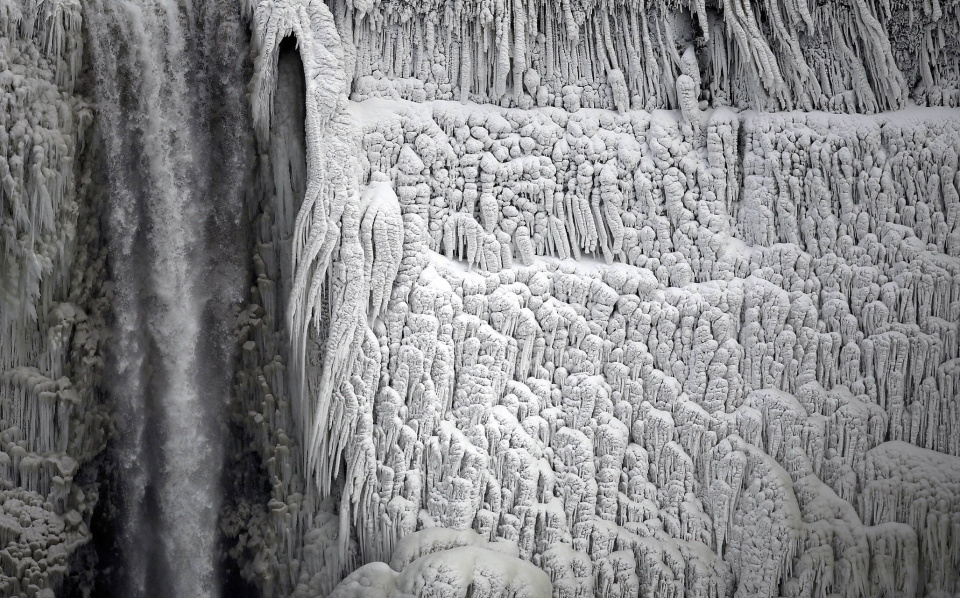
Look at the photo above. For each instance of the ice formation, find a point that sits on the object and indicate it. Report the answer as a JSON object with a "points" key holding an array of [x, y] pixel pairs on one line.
{"points": [[654, 350], [51, 299], [447, 562], [869, 56], [560, 299]]}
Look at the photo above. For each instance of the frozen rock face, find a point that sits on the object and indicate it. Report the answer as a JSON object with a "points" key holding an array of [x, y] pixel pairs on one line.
{"points": [[685, 352], [563, 299], [861, 56], [51, 299]]}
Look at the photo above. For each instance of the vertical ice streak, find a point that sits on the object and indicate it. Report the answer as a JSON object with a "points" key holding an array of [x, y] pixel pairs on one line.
{"points": [[174, 167], [288, 154]]}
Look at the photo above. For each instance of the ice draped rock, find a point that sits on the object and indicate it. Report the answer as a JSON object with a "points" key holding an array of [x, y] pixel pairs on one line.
{"points": [[443, 562], [330, 185], [757, 325], [566, 299], [870, 57], [51, 299]]}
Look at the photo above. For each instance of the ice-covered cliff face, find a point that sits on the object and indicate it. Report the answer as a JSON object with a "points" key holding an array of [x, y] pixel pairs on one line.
{"points": [[687, 352], [558, 299], [858, 56], [51, 298]]}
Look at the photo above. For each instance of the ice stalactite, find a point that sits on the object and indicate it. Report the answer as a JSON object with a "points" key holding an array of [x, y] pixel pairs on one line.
{"points": [[52, 421], [382, 236], [756, 54]]}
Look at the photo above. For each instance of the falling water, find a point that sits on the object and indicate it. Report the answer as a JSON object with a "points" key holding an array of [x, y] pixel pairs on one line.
{"points": [[171, 114]]}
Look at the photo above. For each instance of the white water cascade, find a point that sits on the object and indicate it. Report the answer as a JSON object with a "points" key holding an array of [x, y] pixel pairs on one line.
{"points": [[170, 124]]}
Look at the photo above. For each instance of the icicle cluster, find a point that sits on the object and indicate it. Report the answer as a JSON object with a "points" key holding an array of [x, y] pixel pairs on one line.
{"points": [[41, 132], [51, 304], [327, 221], [864, 57], [327, 255]]}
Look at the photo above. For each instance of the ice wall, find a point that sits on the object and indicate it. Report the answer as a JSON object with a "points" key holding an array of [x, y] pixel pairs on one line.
{"points": [[747, 381], [51, 299], [687, 352], [572, 299], [861, 56]]}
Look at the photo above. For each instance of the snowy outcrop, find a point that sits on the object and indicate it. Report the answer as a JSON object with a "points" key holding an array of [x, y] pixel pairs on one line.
{"points": [[446, 562]]}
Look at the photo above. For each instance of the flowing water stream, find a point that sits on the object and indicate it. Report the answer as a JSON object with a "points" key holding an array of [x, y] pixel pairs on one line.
{"points": [[172, 114]]}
